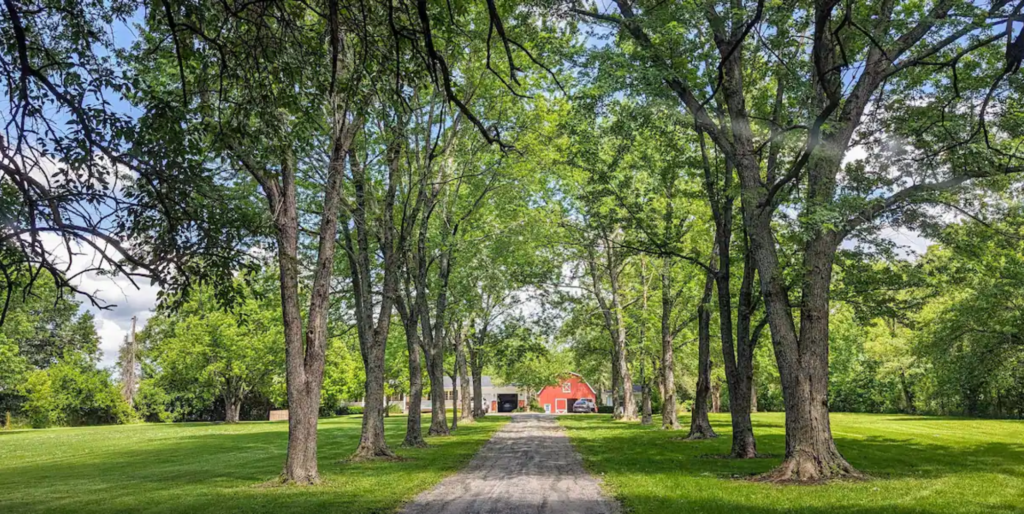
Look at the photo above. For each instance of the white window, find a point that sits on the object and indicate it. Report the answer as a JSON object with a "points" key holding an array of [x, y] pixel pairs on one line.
{"points": [[567, 387]]}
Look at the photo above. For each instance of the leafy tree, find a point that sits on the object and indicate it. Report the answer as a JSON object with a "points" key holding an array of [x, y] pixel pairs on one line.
{"points": [[786, 115], [71, 393], [206, 352]]}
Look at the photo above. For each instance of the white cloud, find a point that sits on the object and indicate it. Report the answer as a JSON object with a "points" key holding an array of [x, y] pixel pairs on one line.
{"points": [[122, 299]]}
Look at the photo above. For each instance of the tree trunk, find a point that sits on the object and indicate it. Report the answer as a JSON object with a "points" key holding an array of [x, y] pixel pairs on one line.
{"points": [[232, 408], [304, 354], [669, 419], [372, 443], [413, 426], [811, 453], [373, 335], [478, 391], [616, 386], [737, 359], [455, 399], [646, 401], [464, 382], [908, 393], [716, 397], [438, 416], [303, 398], [628, 401], [753, 396], [700, 425]]}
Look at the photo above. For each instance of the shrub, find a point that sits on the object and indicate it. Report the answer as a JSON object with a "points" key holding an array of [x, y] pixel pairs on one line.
{"points": [[605, 409], [348, 410], [70, 393], [151, 403]]}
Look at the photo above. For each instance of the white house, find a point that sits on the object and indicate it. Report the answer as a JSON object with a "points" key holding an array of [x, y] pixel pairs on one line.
{"points": [[495, 398]]}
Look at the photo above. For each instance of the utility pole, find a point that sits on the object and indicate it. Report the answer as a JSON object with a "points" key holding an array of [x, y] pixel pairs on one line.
{"points": [[129, 365]]}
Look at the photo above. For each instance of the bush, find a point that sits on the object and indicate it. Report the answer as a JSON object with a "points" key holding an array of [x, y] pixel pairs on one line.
{"points": [[151, 403], [535, 406], [605, 409], [69, 394], [347, 410]]}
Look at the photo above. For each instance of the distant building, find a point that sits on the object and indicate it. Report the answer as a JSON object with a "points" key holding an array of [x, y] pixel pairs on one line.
{"points": [[559, 399], [495, 398], [555, 399]]}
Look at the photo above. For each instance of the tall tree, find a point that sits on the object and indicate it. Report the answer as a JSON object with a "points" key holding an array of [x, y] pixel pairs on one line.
{"points": [[824, 111]]}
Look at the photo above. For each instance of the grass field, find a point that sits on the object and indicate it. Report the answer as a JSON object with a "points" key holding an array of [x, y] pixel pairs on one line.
{"points": [[917, 465], [201, 467]]}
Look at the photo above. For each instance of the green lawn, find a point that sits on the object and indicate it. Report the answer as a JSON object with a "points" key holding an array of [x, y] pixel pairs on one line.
{"points": [[917, 464], [201, 467]]}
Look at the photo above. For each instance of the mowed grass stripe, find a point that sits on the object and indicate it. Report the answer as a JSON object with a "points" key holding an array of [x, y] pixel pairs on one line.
{"points": [[917, 465], [214, 468]]}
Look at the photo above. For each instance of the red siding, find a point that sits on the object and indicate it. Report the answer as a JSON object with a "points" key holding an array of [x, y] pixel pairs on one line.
{"points": [[558, 399]]}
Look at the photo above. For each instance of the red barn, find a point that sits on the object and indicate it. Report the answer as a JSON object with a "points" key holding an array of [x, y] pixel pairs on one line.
{"points": [[558, 399]]}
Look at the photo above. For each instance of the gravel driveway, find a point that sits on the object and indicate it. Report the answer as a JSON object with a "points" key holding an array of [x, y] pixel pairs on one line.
{"points": [[528, 467]]}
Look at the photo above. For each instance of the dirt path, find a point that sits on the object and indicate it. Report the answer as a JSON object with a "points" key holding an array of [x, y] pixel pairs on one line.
{"points": [[528, 467]]}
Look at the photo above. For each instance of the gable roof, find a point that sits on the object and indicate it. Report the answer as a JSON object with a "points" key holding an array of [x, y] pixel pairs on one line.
{"points": [[592, 390]]}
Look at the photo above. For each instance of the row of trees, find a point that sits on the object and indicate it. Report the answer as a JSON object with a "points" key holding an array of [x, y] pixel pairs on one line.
{"points": [[432, 159]]}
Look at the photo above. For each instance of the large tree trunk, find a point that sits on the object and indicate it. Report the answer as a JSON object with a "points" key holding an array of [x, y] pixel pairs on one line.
{"points": [[303, 399], [413, 426], [304, 355], [700, 425], [811, 453], [232, 407]]}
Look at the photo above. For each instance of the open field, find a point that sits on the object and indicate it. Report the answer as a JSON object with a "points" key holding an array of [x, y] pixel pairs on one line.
{"points": [[917, 465], [201, 467]]}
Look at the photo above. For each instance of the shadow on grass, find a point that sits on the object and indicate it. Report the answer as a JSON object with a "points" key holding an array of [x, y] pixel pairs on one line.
{"points": [[662, 451], [220, 471]]}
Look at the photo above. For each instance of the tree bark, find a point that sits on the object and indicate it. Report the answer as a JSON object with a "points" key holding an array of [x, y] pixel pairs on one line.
{"points": [[476, 368], [738, 358], [669, 419], [455, 399], [611, 309], [438, 414], [413, 426], [753, 396], [811, 454], [700, 425], [464, 382], [232, 408], [304, 355], [646, 402], [373, 334]]}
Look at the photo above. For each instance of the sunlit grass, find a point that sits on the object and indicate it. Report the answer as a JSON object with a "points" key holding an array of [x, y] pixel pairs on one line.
{"points": [[215, 468], [917, 464]]}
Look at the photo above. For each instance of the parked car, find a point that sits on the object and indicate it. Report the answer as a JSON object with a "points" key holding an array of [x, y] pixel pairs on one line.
{"points": [[584, 405]]}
